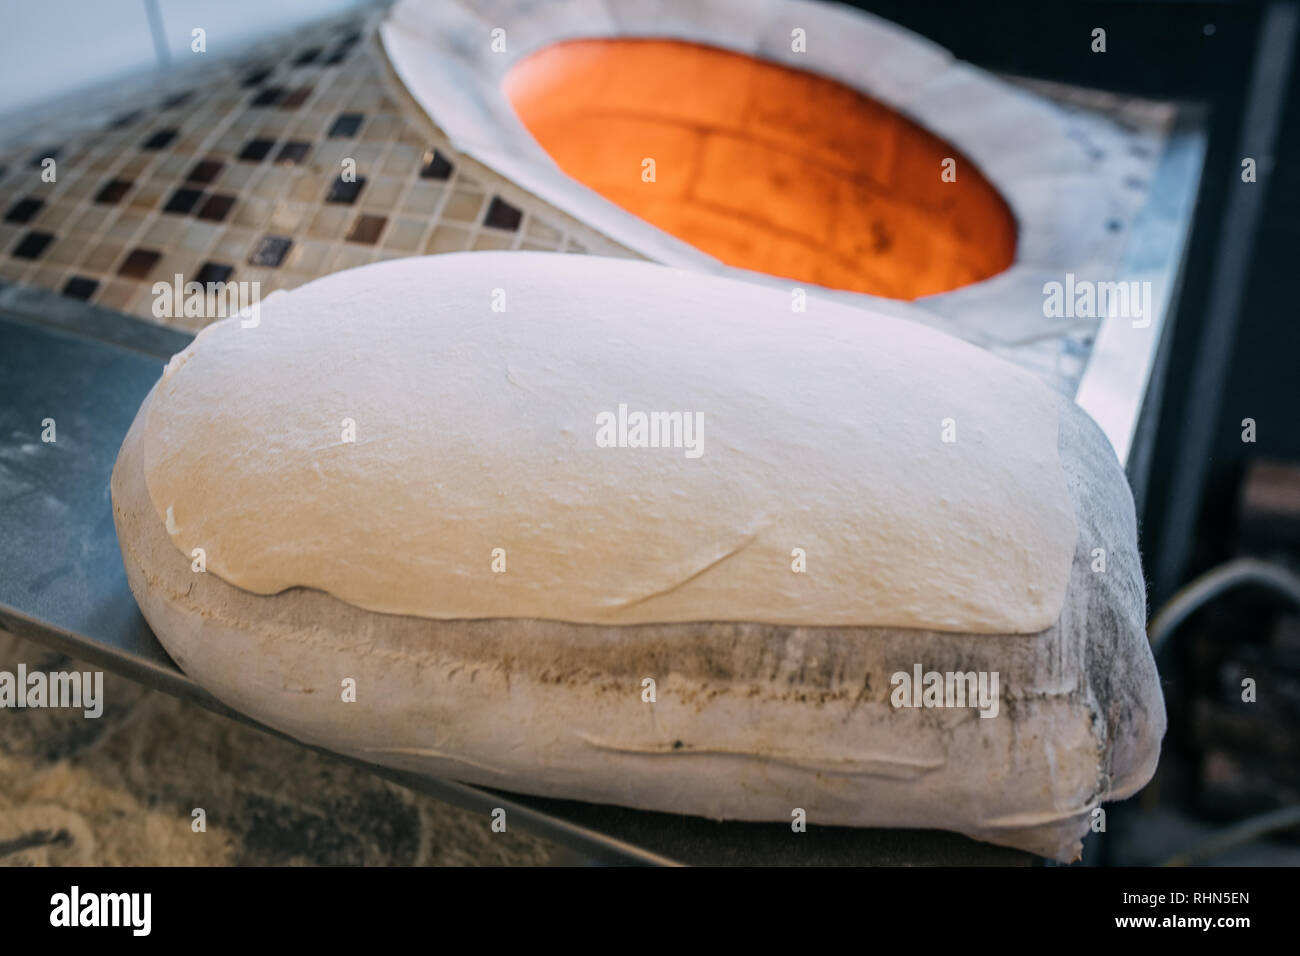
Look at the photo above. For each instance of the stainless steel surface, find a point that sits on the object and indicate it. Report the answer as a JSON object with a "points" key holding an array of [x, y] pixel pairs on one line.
{"points": [[62, 584], [1115, 382]]}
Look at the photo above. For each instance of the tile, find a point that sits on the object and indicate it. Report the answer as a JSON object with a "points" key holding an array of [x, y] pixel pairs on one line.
{"points": [[183, 200], [436, 166], [463, 206], [296, 98], [269, 96], [205, 171], [217, 207], [234, 244], [138, 263], [502, 215], [162, 230], [493, 240], [401, 160], [366, 229], [80, 287], [195, 237], [32, 245], [286, 217], [112, 191], [213, 272], [125, 226], [270, 251], [307, 56], [159, 140], [292, 153], [24, 210], [448, 239], [346, 125], [329, 223], [125, 119], [540, 229], [116, 294], [309, 257], [68, 251], [404, 235], [423, 198], [256, 150], [381, 194], [257, 77], [103, 256], [342, 191], [146, 196]]}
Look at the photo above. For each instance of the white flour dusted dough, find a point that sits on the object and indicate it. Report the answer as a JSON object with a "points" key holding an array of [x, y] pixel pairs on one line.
{"points": [[476, 430]]}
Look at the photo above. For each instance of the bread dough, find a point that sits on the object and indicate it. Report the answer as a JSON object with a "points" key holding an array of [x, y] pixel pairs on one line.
{"points": [[476, 430]]}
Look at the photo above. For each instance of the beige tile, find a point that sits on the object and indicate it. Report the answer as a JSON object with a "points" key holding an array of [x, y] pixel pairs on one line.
{"points": [[536, 228], [448, 239], [104, 256], [161, 230], [126, 226], [464, 206], [330, 223], [422, 198], [405, 234], [197, 237], [251, 213], [494, 239], [380, 194], [233, 246], [308, 257], [349, 256], [115, 294], [287, 217], [68, 250]]}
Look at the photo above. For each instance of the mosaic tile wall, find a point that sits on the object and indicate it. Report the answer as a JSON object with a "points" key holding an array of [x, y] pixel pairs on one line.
{"points": [[234, 174]]}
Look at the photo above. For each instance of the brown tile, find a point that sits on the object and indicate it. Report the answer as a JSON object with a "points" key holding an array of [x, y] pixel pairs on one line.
{"points": [[205, 171], [217, 207], [138, 263], [295, 98], [112, 191], [367, 229], [292, 153]]}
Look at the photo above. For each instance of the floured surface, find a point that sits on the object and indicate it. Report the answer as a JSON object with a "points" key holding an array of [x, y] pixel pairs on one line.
{"points": [[476, 430]]}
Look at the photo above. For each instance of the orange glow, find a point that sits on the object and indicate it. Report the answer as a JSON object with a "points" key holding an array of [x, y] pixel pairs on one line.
{"points": [[763, 166]]}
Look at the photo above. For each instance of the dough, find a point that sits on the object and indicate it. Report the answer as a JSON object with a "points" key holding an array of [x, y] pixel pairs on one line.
{"points": [[748, 721], [478, 446]]}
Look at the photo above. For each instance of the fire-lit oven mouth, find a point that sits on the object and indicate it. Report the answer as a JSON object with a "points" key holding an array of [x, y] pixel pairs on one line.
{"points": [[763, 166]]}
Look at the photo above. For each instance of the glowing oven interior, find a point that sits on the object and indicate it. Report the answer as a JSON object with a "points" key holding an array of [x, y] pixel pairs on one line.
{"points": [[763, 166]]}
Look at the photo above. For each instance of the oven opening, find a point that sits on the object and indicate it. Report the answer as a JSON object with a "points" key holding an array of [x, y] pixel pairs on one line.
{"points": [[765, 167]]}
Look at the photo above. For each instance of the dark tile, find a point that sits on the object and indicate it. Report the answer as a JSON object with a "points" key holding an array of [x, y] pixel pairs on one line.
{"points": [[270, 251], [24, 209], [256, 149], [113, 191], [436, 166], [367, 229], [257, 77], [346, 125], [126, 119], [213, 272], [502, 215], [307, 57], [80, 287], [183, 200], [159, 140], [33, 245], [52, 153], [180, 99], [293, 153], [296, 98], [217, 207], [269, 96], [138, 263], [335, 58], [205, 171], [346, 192], [349, 38]]}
